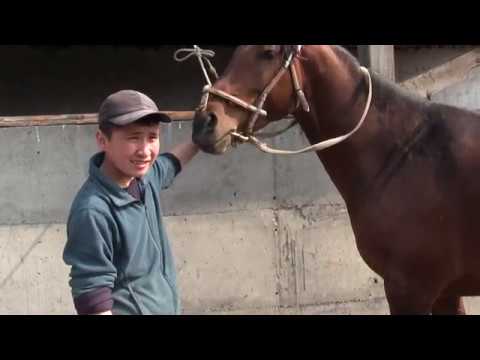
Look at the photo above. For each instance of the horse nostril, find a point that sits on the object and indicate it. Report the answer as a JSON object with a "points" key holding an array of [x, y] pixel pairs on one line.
{"points": [[204, 124], [211, 121]]}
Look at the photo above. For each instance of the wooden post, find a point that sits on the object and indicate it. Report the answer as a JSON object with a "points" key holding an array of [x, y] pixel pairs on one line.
{"points": [[379, 58]]}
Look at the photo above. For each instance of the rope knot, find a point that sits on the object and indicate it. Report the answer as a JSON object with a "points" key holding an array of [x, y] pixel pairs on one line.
{"points": [[193, 51], [202, 56]]}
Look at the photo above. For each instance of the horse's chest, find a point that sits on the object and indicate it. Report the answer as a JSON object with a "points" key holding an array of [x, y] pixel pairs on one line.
{"points": [[374, 240]]}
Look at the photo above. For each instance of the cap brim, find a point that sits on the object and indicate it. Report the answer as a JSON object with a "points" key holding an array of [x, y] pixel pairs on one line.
{"points": [[135, 116]]}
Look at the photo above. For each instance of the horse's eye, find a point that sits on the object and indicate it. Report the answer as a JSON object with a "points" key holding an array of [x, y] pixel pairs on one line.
{"points": [[267, 55]]}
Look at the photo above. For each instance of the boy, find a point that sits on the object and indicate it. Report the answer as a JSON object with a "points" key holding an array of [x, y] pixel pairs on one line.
{"points": [[120, 257]]}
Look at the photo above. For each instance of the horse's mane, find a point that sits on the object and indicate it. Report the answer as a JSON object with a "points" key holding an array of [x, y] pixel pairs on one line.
{"points": [[345, 55], [379, 81]]}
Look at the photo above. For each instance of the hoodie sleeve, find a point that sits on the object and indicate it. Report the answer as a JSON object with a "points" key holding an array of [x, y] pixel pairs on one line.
{"points": [[166, 168], [89, 252]]}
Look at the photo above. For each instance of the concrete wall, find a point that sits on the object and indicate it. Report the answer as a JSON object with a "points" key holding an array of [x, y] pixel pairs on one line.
{"points": [[412, 61], [465, 94], [269, 236], [252, 233]]}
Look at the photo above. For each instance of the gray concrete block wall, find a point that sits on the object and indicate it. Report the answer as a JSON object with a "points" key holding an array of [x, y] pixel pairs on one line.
{"points": [[43, 167], [244, 242], [33, 279], [412, 61], [465, 94]]}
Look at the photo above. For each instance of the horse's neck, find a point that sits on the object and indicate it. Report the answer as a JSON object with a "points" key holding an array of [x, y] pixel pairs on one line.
{"points": [[338, 99], [336, 89]]}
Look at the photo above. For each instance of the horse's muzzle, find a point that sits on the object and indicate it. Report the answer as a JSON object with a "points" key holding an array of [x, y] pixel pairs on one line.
{"points": [[204, 134], [204, 124]]}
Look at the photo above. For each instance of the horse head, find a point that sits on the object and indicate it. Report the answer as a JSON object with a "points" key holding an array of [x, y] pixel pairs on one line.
{"points": [[260, 85]]}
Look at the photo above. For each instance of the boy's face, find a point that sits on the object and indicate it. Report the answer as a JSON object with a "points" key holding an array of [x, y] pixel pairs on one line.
{"points": [[130, 152]]}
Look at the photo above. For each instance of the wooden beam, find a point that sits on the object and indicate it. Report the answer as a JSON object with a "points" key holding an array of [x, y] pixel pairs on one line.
{"points": [[75, 119], [379, 58], [444, 76]]}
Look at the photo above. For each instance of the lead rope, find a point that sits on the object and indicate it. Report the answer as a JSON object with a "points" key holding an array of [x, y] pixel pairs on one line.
{"points": [[202, 56], [322, 145]]}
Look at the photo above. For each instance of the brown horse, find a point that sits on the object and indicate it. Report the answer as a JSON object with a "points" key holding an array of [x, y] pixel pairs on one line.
{"points": [[410, 176]]}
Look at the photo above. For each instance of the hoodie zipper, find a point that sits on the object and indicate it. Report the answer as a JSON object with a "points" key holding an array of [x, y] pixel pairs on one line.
{"points": [[159, 247]]}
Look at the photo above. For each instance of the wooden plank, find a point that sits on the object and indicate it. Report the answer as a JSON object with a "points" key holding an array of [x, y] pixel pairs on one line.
{"points": [[74, 119], [379, 58], [444, 76]]}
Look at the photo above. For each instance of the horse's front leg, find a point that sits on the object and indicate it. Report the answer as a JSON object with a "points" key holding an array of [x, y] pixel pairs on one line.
{"points": [[408, 298], [449, 305]]}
